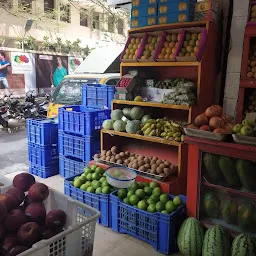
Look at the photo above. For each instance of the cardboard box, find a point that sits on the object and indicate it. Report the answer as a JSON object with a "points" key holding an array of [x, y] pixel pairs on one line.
{"points": [[205, 15], [175, 7], [136, 3], [206, 5], [126, 83], [174, 17], [143, 21], [144, 11], [123, 96]]}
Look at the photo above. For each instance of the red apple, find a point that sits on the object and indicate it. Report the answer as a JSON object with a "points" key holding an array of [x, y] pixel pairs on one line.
{"points": [[29, 233], [2, 231], [201, 120], [3, 211], [14, 220], [55, 219], [18, 193], [36, 212], [219, 130], [192, 126], [9, 242], [9, 201], [38, 192], [47, 233], [23, 181]]}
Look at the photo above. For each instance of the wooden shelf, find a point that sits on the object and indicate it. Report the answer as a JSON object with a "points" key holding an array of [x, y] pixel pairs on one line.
{"points": [[169, 26], [248, 83], [230, 190], [141, 137], [161, 64], [151, 104]]}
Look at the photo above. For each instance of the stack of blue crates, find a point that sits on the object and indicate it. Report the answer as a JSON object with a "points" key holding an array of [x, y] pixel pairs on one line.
{"points": [[43, 147], [79, 137]]}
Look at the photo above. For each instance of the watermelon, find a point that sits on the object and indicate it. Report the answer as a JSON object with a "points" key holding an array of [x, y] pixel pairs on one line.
{"points": [[244, 245], [136, 113], [216, 242], [132, 126], [119, 126], [116, 114], [108, 124], [190, 237]]}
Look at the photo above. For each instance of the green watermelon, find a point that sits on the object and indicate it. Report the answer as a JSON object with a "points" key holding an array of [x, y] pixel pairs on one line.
{"points": [[246, 219], [247, 174], [211, 205], [136, 113], [117, 114], [229, 211], [228, 167], [244, 245], [190, 237], [132, 126], [216, 242], [119, 126], [211, 166], [108, 124], [127, 112]]}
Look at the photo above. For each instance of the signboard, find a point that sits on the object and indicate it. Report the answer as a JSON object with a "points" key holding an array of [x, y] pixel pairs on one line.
{"points": [[22, 63], [73, 63]]}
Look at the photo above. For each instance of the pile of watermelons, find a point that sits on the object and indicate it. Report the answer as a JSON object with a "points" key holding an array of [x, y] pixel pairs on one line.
{"points": [[193, 241]]}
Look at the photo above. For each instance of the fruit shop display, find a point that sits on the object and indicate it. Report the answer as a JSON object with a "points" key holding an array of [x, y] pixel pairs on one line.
{"points": [[163, 128], [149, 197], [135, 121], [213, 120], [190, 45], [23, 217], [93, 180], [147, 164], [170, 46], [150, 47], [132, 49], [246, 128], [250, 102], [229, 172], [234, 211], [216, 241], [253, 13]]}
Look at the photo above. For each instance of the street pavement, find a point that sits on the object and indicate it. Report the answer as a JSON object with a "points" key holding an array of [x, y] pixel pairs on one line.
{"points": [[13, 151]]}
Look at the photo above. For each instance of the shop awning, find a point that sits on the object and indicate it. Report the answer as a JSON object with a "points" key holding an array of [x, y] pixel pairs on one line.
{"points": [[124, 4]]}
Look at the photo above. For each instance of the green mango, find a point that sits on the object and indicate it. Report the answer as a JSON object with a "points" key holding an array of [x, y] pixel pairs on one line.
{"points": [[229, 211], [246, 217], [211, 205]]}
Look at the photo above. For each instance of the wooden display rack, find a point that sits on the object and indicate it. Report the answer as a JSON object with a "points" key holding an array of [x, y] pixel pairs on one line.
{"points": [[198, 146], [245, 83], [202, 73]]}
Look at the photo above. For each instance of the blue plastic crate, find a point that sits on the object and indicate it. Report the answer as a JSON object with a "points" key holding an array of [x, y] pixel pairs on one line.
{"points": [[97, 95], [82, 148], [44, 172], [143, 2], [158, 229], [69, 167], [186, 6], [81, 120], [42, 155], [143, 11], [175, 17], [97, 201], [42, 132]]}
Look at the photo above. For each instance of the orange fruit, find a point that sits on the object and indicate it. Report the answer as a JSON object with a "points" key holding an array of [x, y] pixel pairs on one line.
{"points": [[171, 44], [163, 50], [166, 44], [166, 56]]}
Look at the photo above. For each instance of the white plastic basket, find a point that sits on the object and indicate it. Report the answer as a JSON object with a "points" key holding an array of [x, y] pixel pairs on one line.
{"points": [[78, 237], [7, 184]]}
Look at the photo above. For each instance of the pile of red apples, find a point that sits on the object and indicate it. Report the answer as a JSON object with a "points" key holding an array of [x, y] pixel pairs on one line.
{"points": [[23, 217], [213, 120]]}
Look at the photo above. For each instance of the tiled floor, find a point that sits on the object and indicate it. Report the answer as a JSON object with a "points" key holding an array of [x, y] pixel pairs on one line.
{"points": [[107, 242]]}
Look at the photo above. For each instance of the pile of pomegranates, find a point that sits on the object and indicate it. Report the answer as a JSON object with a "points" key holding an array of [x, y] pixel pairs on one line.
{"points": [[213, 120]]}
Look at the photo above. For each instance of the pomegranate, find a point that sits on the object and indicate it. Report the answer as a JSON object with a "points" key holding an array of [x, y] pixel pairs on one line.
{"points": [[227, 129], [213, 111], [219, 130], [201, 120], [216, 122], [205, 128]]}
